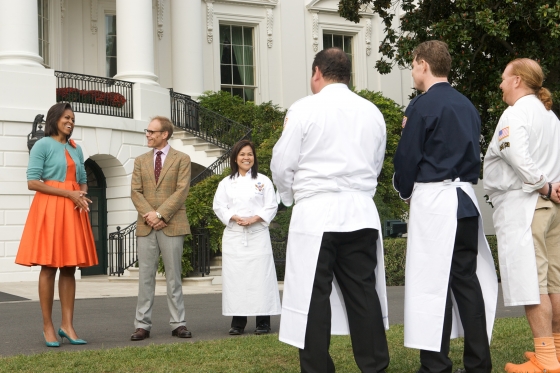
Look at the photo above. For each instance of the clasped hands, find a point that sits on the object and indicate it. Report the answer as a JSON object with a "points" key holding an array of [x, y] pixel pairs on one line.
{"points": [[245, 221], [555, 194], [80, 200], [153, 221]]}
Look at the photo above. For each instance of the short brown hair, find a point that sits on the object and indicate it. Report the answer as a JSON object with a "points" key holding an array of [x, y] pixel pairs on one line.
{"points": [[235, 150], [53, 115], [532, 76], [166, 125], [436, 54]]}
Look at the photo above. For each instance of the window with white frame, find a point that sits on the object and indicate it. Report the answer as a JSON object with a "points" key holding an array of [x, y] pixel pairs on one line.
{"points": [[343, 42], [43, 18], [110, 45], [237, 61]]}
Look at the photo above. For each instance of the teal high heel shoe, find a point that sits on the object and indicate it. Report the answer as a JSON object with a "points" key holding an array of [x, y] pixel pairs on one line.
{"points": [[63, 335], [51, 344]]}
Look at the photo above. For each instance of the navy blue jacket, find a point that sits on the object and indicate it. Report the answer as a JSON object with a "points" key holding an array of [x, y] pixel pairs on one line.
{"points": [[440, 141]]}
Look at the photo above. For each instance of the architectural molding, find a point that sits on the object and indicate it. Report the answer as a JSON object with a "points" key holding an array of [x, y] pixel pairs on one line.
{"points": [[269, 3], [368, 36], [209, 21], [315, 31], [269, 26], [62, 10], [93, 16], [318, 6], [160, 5]]}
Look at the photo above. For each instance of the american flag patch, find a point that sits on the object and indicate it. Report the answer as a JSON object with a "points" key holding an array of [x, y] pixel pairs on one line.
{"points": [[504, 132]]}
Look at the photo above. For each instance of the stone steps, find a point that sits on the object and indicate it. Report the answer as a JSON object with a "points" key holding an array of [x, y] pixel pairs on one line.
{"points": [[132, 276], [215, 277], [197, 143]]}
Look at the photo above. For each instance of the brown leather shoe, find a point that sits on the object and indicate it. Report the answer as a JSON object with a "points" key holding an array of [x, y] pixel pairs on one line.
{"points": [[181, 332], [140, 334]]}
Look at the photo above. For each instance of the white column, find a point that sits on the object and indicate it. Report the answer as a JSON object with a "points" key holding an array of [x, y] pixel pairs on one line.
{"points": [[135, 41], [19, 33], [186, 46]]}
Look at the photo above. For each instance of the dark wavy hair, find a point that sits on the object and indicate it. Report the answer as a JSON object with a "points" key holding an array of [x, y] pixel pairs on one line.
{"points": [[334, 65], [53, 115], [233, 158]]}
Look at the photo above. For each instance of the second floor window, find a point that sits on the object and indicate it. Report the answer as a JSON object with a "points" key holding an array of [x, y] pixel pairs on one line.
{"points": [[43, 13], [110, 45], [237, 63], [343, 42]]}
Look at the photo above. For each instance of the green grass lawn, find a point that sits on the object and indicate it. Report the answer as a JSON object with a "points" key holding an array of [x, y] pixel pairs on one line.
{"points": [[257, 354]]}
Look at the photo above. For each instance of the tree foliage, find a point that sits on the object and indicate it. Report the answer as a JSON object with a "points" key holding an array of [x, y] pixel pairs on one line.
{"points": [[482, 35]]}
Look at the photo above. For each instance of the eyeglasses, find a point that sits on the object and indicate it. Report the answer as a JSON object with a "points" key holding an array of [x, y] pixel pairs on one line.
{"points": [[150, 132]]}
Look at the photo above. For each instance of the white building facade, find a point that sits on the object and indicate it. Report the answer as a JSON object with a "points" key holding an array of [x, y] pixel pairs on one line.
{"points": [[261, 50]]}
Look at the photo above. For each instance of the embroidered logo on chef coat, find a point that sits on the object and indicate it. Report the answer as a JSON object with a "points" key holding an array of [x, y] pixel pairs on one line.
{"points": [[259, 186], [285, 121], [504, 145], [404, 121], [504, 132]]}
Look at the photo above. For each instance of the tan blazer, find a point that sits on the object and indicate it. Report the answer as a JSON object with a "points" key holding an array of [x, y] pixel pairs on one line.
{"points": [[167, 196]]}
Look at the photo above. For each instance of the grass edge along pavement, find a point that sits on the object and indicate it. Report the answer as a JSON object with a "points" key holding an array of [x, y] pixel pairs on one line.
{"points": [[511, 338]]}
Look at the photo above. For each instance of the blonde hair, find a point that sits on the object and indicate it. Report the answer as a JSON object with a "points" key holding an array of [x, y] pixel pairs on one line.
{"points": [[166, 125], [532, 75]]}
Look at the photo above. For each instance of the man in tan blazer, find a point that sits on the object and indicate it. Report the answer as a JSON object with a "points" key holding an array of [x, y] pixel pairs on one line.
{"points": [[160, 184]]}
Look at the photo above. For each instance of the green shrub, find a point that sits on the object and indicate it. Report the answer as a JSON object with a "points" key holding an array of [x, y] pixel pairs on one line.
{"points": [[395, 259], [389, 205], [264, 119]]}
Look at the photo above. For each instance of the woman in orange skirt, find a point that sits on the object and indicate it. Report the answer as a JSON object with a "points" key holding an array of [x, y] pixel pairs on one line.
{"points": [[57, 233]]}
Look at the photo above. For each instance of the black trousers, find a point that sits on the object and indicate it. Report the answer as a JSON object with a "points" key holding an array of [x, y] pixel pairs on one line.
{"points": [[241, 321], [464, 284], [351, 256]]}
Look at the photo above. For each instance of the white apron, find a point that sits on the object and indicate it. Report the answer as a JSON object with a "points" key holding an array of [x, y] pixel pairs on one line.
{"points": [[513, 215], [431, 238], [304, 242], [249, 285]]}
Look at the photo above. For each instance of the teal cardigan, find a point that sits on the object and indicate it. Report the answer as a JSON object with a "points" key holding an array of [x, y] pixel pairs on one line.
{"points": [[47, 161]]}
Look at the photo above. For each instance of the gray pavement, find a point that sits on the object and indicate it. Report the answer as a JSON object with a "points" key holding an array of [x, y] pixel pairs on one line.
{"points": [[104, 314]]}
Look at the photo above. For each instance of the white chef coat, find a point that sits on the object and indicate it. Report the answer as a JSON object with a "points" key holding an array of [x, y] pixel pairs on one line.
{"points": [[328, 160], [245, 197], [523, 155], [249, 283]]}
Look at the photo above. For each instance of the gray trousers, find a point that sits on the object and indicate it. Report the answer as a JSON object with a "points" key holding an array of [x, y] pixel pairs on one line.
{"points": [[149, 248]]}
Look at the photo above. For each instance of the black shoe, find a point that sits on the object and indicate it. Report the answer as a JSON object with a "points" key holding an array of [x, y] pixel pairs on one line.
{"points": [[236, 331], [181, 332], [262, 329]]}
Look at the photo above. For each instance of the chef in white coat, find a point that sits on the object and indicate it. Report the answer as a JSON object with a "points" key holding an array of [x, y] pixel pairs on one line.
{"points": [[246, 204], [328, 160], [449, 267], [521, 163]]}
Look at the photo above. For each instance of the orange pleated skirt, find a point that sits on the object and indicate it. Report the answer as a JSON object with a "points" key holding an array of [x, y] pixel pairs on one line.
{"points": [[56, 234]]}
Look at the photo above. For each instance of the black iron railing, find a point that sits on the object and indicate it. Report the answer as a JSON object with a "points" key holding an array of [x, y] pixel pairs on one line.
{"points": [[216, 168], [122, 249], [206, 124], [279, 254], [200, 255], [94, 94]]}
